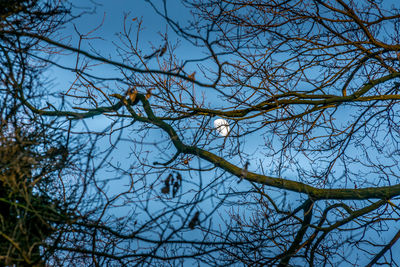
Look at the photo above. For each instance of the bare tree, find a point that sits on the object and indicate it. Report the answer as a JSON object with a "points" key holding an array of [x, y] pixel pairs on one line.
{"points": [[309, 89]]}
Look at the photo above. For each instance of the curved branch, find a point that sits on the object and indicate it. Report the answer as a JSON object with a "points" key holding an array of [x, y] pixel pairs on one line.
{"points": [[308, 208], [383, 192]]}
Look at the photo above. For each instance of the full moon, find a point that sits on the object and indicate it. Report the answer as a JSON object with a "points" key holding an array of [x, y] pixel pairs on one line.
{"points": [[221, 126]]}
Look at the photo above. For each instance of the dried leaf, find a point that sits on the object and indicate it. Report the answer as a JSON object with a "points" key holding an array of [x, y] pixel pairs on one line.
{"points": [[244, 172], [170, 179], [175, 188], [148, 93], [194, 221], [179, 177], [191, 76], [132, 92], [163, 49], [165, 190]]}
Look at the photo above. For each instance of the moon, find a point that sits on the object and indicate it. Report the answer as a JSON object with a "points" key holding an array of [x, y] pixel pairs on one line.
{"points": [[222, 127]]}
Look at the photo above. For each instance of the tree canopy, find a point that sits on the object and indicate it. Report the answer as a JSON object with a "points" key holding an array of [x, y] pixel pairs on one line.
{"points": [[127, 163]]}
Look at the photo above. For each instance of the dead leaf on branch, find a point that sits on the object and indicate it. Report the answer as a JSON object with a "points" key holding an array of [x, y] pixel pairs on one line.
{"points": [[195, 220]]}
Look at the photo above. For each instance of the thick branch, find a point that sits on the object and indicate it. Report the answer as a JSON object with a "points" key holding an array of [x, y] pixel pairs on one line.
{"points": [[383, 251], [308, 207], [384, 192]]}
